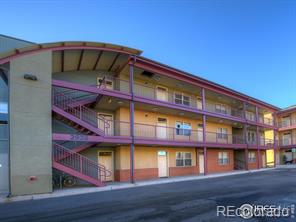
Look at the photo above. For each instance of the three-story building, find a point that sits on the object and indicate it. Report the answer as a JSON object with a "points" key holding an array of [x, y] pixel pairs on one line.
{"points": [[102, 112]]}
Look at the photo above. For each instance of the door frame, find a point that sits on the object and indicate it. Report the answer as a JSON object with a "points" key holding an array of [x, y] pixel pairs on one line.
{"points": [[167, 162], [167, 90], [199, 154], [113, 160], [167, 125]]}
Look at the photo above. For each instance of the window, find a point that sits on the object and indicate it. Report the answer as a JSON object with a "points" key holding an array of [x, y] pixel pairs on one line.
{"points": [[3, 107], [252, 157], [183, 128], [222, 133], [183, 159], [101, 82], [223, 158], [182, 99], [220, 108]]}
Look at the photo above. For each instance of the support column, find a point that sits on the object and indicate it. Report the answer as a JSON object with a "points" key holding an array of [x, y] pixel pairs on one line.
{"points": [[257, 114], [258, 147], [246, 150], [274, 140], [204, 141], [203, 99], [132, 109]]}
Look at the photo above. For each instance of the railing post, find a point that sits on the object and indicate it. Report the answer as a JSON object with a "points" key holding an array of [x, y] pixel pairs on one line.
{"points": [[203, 99], [257, 114], [204, 128], [258, 147], [132, 146]]}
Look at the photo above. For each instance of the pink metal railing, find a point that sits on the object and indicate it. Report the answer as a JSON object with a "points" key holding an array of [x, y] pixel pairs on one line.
{"points": [[78, 95], [264, 120], [118, 128], [266, 142], [287, 123], [229, 111], [81, 112], [146, 131], [79, 163], [213, 137]]}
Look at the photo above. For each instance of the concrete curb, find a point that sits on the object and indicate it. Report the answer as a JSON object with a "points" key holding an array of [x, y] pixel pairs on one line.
{"points": [[84, 190]]}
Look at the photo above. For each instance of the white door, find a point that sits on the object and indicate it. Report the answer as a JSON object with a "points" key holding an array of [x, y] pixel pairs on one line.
{"points": [[106, 159], [106, 125], [161, 128], [162, 164], [199, 103], [161, 93], [264, 160], [200, 132], [201, 163]]}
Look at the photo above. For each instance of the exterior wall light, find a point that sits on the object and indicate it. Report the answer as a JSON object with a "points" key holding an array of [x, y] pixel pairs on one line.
{"points": [[30, 77]]}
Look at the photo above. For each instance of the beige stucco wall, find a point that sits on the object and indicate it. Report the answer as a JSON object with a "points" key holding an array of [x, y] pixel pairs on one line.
{"points": [[30, 124]]}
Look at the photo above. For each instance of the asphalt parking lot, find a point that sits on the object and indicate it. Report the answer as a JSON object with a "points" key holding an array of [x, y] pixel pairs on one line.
{"points": [[182, 201]]}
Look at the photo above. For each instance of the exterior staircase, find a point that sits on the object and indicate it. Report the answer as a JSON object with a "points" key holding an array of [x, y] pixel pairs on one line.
{"points": [[72, 109], [78, 166]]}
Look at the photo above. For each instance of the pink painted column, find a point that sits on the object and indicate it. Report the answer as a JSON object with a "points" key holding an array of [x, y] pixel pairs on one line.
{"points": [[246, 150], [274, 139], [132, 109], [258, 147], [203, 99], [205, 148], [245, 137]]}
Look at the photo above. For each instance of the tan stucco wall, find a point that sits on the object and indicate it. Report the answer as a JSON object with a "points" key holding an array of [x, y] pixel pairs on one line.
{"points": [[30, 124]]}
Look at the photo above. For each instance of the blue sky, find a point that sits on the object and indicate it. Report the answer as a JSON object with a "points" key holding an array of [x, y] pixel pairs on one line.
{"points": [[249, 46]]}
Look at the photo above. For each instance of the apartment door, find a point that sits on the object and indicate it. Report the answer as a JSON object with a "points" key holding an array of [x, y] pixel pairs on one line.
{"points": [[201, 163], [162, 164], [199, 103], [105, 158], [161, 93], [161, 128], [106, 82], [200, 132], [263, 159], [106, 125]]}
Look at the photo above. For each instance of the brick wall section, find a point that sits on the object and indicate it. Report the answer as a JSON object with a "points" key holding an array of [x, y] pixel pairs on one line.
{"points": [[183, 171], [140, 174], [213, 165]]}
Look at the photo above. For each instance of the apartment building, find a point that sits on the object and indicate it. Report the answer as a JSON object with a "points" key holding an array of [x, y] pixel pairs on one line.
{"points": [[101, 112], [287, 135]]}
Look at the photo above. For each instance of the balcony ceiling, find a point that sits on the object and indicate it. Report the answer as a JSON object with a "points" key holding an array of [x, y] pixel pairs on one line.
{"points": [[88, 60]]}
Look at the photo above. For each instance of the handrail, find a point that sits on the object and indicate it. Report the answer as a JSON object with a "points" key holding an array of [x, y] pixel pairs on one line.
{"points": [[79, 163], [284, 123], [81, 112], [172, 133]]}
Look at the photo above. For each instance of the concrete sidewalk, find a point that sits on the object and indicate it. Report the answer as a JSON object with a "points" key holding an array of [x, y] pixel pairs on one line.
{"points": [[117, 186]]}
